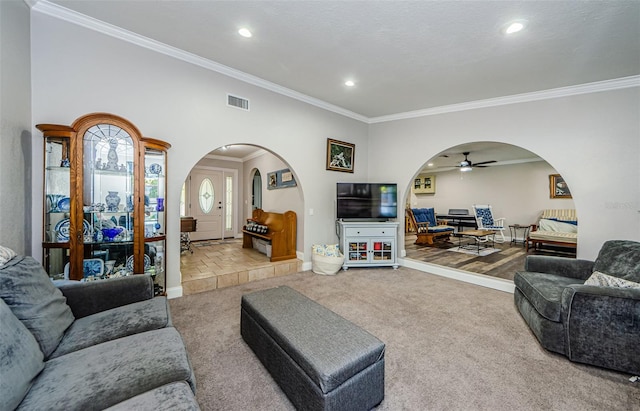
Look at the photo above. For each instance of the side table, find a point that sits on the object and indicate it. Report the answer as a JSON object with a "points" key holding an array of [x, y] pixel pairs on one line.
{"points": [[513, 231]]}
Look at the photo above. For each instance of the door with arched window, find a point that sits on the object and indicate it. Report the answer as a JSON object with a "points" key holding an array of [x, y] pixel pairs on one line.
{"points": [[207, 198]]}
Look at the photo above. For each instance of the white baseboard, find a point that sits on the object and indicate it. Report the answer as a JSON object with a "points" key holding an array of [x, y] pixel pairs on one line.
{"points": [[466, 276], [174, 292]]}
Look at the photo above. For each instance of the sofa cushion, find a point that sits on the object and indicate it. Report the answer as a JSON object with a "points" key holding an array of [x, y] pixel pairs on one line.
{"points": [[176, 396], [485, 215], [544, 291], [106, 374], [20, 359], [111, 324], [620, 258], [604, 280], [28, 291]]}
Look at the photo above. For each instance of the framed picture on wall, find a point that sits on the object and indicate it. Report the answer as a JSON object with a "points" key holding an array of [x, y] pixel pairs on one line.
{"points": [[280, 179], [340, 155], [558, 188]]}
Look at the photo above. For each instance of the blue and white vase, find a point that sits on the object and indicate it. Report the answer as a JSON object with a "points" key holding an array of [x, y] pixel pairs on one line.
{"points": [[112, 200]]}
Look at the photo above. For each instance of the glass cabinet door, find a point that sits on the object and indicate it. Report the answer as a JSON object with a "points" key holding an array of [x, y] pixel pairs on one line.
{"points": [[107, 198], [57, 198], [154, 215], [104, 200]]}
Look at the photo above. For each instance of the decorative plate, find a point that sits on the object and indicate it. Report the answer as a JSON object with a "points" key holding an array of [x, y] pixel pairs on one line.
{"points": [[64, 204], [155, 168], [62, 229], [147, 263], [93, 267]]}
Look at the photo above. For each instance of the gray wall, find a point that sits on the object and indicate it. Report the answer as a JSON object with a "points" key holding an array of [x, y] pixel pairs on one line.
{"points": [[15, 127], [185, 105], [592, 140]]}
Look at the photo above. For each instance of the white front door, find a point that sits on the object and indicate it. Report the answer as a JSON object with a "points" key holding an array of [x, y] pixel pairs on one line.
{"points": [[207, 199]]}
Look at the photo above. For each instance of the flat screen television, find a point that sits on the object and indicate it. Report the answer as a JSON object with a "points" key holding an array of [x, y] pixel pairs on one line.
{"points": [[367, 201]]}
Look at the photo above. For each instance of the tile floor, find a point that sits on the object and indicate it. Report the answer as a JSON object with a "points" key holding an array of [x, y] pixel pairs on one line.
{"points": [[224, 263]]}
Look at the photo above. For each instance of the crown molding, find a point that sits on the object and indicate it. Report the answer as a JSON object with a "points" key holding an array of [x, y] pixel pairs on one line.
{"points": [[606, 85], [62, 13]]}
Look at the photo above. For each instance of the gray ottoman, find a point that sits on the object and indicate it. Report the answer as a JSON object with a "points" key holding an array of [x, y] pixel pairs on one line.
{"points": [[320, 360]]}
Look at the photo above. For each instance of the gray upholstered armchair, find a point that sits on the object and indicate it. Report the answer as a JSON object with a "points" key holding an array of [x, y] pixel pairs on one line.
{"points": [[575, 310]]}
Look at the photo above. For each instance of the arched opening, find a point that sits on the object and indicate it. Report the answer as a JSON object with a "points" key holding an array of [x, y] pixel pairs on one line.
{"points": [[514, 181], [256, 191], [223, 189]]}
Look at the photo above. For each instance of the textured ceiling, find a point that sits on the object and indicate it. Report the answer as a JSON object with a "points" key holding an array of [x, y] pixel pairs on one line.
{"points": [[403, 55]]}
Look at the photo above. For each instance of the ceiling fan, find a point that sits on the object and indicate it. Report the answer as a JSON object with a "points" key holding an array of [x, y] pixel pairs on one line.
{"points": [[467, 165]]}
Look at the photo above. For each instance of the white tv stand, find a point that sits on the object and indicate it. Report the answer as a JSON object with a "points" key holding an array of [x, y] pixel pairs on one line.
{"points": [[366, 244]]}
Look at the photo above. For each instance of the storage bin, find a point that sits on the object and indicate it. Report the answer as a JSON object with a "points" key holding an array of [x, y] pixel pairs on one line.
{"points": [[326, 265], [261, 245]]}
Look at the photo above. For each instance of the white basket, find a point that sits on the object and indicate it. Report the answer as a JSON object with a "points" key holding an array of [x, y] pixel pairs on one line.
{"points": [[322, 264]]}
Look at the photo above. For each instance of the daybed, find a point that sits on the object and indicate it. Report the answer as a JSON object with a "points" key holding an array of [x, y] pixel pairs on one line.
{"points": [[555, 227], [427, 227], [586, 310], [88, 345]]}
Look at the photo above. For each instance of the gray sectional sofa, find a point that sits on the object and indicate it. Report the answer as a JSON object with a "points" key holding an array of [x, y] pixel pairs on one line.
{"points": [[88, 346]]}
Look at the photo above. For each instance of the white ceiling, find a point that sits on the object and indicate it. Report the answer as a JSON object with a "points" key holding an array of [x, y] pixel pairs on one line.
{"points": [[403, 55]]}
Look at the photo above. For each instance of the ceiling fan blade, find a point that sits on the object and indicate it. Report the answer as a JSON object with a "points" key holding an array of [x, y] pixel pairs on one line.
{"points": [[483, 162]]}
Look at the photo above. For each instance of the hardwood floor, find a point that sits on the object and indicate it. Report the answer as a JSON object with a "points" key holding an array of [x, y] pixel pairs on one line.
{"points": [[501, 264]]}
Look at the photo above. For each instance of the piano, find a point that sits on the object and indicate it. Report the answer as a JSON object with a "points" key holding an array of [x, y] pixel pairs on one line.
{"points": [[459, 218]]}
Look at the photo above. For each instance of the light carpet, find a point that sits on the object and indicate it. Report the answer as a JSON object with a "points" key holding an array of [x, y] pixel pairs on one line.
{"points": [[474, 251], [449, 346]]}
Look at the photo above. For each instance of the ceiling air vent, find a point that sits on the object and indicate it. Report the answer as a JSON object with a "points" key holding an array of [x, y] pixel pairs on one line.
{"points": [[238, 102]]}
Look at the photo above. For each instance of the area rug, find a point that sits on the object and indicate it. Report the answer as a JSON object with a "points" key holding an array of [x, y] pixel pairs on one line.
{"points": [[474, 251]]}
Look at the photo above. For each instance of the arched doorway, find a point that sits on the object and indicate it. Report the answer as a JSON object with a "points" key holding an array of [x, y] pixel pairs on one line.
{"points": [[222, 262], [514, 181], [256, 191]]}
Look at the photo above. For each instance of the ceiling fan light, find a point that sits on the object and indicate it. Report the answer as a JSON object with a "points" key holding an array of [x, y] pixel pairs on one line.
{"points": [[466, 168]]}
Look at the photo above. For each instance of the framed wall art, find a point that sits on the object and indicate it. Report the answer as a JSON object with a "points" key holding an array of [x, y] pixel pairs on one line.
{"points": [[280, 179], [558, 188], [424, 184], [340, 155]]}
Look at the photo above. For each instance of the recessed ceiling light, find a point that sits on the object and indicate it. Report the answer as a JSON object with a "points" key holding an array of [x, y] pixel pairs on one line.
{"points": [[514, 26], [430, 165], [349, 83], [244, 32]]}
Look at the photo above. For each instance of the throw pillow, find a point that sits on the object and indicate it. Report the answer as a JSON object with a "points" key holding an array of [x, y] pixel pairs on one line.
{"points": [[6, 254], [20, 359], [328, 250], [26, 288], [605, 280]]}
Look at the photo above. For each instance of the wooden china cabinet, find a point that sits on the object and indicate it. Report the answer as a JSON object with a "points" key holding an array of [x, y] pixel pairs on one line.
{"points": [[104, 194]]}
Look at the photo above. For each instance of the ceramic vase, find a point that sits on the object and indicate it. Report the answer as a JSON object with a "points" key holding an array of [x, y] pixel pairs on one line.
{"points": [[112, 200], [160, 205], [112, 155]]}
